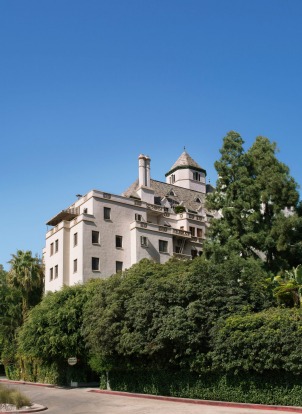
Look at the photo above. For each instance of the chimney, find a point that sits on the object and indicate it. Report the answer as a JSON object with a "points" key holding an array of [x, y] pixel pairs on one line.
{"points": [[144, 170], [148, 160], [141, 170], [145, 192]]}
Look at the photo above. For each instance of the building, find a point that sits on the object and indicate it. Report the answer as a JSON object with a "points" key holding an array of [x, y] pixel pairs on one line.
{"points": [[101, 233]]}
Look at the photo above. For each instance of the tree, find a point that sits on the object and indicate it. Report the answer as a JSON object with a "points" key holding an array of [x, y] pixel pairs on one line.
{"points": [[258, 201], [160, 316], [52, 333], [276, 193], [10, 318], [26, 274], [288, 287]]}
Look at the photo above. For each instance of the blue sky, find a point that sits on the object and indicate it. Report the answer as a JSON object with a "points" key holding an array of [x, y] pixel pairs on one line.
{"points": [[86, 86]]}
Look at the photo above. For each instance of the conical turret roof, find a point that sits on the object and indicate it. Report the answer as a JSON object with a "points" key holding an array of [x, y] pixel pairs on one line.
{"points": [[185, 161]]}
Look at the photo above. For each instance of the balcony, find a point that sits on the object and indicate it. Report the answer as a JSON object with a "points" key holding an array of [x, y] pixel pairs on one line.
{"points": [[182, 233], [182, 256], [190, 216], [196, 239], [160, 229], [64, 215], [155, 208]]}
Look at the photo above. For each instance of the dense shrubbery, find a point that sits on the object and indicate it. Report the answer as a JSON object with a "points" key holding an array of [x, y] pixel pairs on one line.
{"points": [[266, 341], [51, 334], [161, 315], [265, 388]]}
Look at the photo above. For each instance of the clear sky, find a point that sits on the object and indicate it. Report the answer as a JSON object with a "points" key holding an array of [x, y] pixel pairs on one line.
{"points": [[88, 85]]}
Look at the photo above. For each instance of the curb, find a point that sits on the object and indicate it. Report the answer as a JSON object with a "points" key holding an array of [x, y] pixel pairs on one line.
{"points": [[203, 402], [37, 384], [33, 409]]}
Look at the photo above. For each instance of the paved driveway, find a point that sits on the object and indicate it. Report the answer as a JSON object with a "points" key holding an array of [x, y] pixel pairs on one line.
{"points": [[80, 401]]}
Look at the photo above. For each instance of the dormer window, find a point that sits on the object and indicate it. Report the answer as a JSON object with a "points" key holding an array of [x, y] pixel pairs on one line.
{"points": [[172, 193], [196, 176], [197, 200]]}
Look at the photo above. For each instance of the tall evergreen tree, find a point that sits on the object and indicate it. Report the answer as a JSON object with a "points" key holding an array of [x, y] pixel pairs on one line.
{"points": [[258, 201]]}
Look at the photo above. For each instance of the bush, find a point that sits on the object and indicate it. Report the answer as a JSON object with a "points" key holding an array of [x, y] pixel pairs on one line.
{"points": [[267, 388], [14, 397], [257, 342]]}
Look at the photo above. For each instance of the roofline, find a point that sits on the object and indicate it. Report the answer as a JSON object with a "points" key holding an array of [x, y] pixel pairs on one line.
{"points": [[178, 186], [183, 167]]}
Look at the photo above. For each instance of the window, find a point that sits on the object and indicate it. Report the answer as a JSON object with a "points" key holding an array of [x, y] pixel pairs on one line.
{"points": [[95, 237], [75, 239], [196, 176], [56, 245], [193, 254], [119, 241], [51, 273], [95, 263], [51, 249], [192, 231], [163, 246], [85, 210], [107, 213], [199, 232], [138, 217], [172, 179], [56, 271], [197, 200], [75, 266], [118, 266], [177, 249], [144, 241]]}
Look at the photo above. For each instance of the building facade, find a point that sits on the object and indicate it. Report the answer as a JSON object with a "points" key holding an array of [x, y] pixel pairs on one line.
{"points": [[101, 233]]}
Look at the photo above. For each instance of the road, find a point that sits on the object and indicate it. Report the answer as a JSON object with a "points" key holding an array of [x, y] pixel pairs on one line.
{"points": [[81, 401]]}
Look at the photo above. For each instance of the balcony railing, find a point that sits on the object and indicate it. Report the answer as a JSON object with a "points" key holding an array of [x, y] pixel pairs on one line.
{"points": [[161, 229], [182, 233], [190, 216], [155, 207], [182, 256], [196, 239]]}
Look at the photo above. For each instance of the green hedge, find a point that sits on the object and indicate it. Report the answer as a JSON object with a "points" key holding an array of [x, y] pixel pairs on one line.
{"points": [[59, 373], [267, 388]]}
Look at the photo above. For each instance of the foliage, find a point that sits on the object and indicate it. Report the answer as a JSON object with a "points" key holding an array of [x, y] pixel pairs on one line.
{"points": [[13, 397], [258, 200], [52, 333], [10, 318], [258, 342], [266, 388], [179, 209], [161, 315], [26, 275], [288, 287]]}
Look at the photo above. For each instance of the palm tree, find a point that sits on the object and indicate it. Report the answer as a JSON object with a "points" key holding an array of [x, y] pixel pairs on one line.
{"points": [[27, 275], [288, 290]]}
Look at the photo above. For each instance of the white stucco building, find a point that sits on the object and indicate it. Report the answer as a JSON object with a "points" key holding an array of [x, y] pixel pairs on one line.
{"points": [[101, 233]]}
